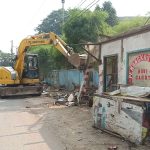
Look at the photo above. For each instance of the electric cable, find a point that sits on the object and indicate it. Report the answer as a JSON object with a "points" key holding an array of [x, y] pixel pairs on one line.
{"points": [[81, 11], [81, 3], [39, 8], [90, 6], [85, 9], [147, 20]]}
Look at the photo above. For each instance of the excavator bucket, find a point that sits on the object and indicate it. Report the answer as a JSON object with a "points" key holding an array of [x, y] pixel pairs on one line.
{"points": [[77, 60], [74, 59]]}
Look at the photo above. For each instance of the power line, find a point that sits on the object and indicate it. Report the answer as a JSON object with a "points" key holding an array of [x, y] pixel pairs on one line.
{"points": [[76, 6], [95, 23], [69, 15], [37, 11], [147, 20], [77, 15], [81, 3], [90, 6], [85, 9]]}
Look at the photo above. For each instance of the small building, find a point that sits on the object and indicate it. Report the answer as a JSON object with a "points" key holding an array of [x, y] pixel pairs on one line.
{"points": [[124, 77]]}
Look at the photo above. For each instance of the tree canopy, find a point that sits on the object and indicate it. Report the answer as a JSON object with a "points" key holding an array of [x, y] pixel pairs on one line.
{"points": [[84, 27], [128, 24], [112, 15], [5, 59], [53, 22]]}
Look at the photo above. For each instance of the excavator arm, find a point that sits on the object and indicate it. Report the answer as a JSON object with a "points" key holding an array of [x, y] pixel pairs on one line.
{"points": [[45, 39]]}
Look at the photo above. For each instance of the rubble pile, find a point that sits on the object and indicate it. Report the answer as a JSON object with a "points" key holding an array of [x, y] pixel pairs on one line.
{"points": [[61, 95]]}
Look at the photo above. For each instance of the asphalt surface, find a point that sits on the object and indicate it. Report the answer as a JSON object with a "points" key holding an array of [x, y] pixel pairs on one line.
{"points": [[36, 124], [22, 130]]}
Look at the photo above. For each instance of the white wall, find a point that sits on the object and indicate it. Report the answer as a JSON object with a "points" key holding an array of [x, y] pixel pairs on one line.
{"points": [[140, 41], [130, 44]]}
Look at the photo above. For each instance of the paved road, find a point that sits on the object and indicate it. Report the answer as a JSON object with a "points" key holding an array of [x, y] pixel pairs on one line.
{"points": [[37, 124], [22, 130]]}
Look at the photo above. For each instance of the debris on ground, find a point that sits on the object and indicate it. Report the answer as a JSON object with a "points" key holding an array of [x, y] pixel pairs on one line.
{"points": [[113, 147], [70, 104], [71, 98], [27, 106], [64, 97], [60, 101], [44, 93], [66, 100], [60, 95]]}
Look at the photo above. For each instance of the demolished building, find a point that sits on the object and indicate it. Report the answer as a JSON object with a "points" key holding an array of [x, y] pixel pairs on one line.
{"points": [[122, 102]]}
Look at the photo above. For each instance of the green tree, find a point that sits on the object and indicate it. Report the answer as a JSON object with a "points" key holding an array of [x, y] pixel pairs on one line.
{"points": [[97, 8], [87, 26], [112, 19], [53, 22], [5, 59], [128, 24]]}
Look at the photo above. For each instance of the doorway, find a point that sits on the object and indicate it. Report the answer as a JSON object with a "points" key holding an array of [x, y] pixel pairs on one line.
{"points": [[110, 73]]}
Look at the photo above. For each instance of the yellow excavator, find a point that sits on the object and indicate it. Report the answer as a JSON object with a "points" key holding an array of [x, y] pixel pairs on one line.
{"points": [[23, 78]]}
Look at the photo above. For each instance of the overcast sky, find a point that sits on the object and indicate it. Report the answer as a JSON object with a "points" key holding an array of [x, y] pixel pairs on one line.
{"points": [[20, 17]]}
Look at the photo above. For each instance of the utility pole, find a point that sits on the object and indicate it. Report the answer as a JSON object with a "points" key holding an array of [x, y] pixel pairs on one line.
{"points": [[63, 2], [11, 50]]}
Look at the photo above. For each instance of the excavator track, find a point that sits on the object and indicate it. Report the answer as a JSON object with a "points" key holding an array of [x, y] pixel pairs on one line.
{"points": [[20, 90]]}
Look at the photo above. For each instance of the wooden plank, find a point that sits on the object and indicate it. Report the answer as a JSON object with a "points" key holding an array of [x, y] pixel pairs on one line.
{"points": [[119, 97], [132, 98]]}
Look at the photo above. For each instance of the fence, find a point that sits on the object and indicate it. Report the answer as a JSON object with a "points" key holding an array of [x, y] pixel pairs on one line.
{"points": [[68, 78]]}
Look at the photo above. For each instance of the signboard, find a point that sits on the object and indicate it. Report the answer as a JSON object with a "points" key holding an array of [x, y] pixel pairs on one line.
{"points": [[139, 69]]}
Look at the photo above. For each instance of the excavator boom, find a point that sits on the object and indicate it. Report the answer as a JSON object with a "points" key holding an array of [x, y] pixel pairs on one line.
{"points": [[45, 39]]}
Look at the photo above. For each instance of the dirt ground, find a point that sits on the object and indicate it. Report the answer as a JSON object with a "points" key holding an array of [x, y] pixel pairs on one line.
{"points": [[35, 123]]}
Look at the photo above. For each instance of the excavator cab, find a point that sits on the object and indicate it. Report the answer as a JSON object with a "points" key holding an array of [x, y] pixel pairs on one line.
{"points": [[31, 67]]}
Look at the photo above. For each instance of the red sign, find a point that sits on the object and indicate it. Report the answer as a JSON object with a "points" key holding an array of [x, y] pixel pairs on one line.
{"points": [[142, 73]]}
